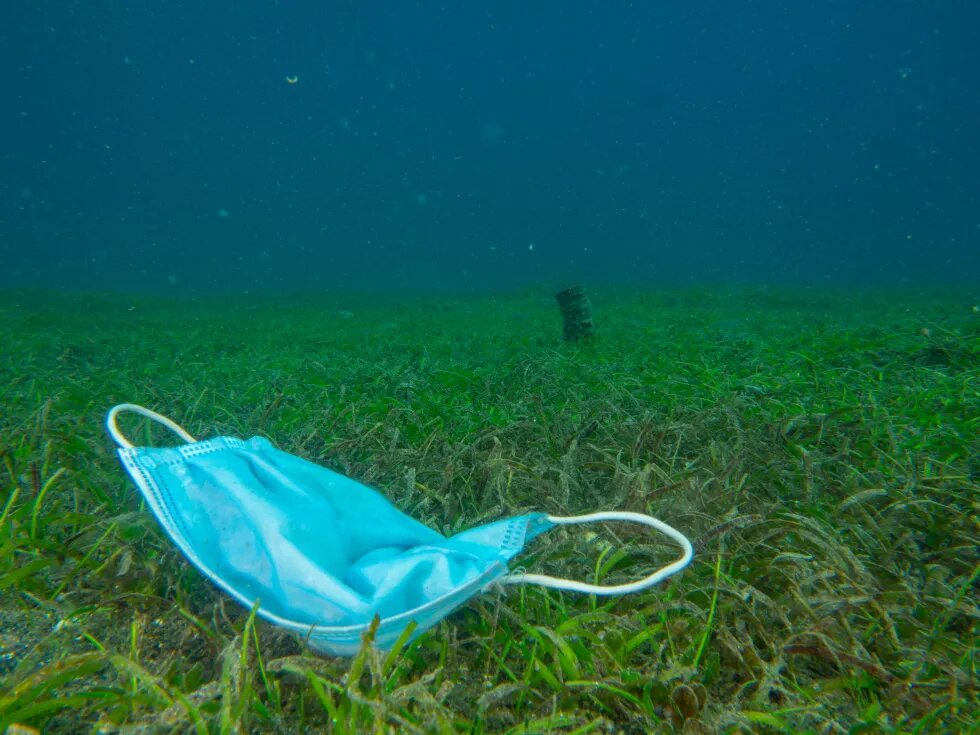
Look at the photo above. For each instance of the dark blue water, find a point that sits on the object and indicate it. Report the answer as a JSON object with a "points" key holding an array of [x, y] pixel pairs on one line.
{"points": [[160, 146]]}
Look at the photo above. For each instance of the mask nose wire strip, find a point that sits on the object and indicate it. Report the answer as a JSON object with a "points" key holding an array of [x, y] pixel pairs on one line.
{"points": [[123, 442], [661, 574]]}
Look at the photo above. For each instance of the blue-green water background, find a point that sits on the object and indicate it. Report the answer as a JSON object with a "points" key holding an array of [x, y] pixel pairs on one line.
{"points": [[482, 146]]}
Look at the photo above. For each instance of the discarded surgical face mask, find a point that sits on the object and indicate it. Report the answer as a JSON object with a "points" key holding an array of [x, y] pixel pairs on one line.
{"points": [[322, 554]]}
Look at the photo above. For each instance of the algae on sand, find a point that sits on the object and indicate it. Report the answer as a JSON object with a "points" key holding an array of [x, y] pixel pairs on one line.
{"points": [[821, 450]]}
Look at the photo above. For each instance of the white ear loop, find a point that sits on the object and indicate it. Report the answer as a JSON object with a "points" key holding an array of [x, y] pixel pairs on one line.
{"points": [[122, 441], [572, 585]]}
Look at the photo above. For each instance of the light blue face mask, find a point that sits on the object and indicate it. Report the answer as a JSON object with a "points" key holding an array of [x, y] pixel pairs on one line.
{"points": [[322, 554]]}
